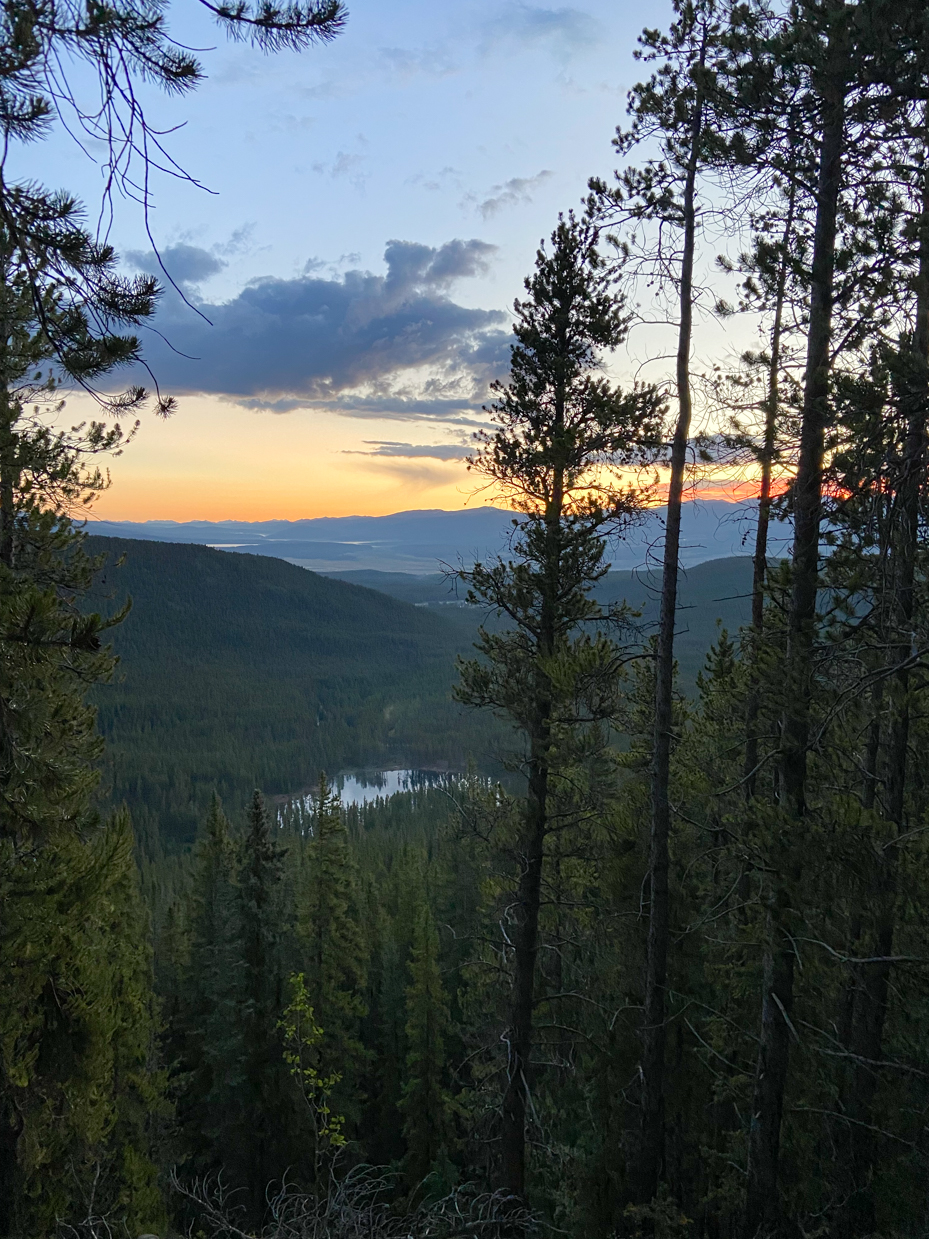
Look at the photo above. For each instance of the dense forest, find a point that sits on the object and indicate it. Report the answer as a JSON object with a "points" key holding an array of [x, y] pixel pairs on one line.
{"points": [[317, 674], [664, 973]]}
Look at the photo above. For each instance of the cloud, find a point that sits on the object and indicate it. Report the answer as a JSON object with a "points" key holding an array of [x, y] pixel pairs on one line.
{"points": [[411, 451], [240, 242], [419, 473], [564, 30], [347, 164], [368, 342], [342, 165], [398, 405], [510, 193], [445, 176], [435, 61], [409, 264], [187, 265]]}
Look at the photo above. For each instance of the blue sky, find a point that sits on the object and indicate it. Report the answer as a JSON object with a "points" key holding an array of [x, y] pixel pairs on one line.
{"points": [[402, 175]]}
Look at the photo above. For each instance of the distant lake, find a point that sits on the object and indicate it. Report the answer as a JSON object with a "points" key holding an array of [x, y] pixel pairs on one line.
{"points": [[362, 786]]}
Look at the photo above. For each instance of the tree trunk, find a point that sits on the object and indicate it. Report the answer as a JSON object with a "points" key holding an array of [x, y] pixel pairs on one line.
{"points": [[762, 1200], [525, 934], [525, 938], [7, 480], [872, 981], [760, 557], [651, 1152]]}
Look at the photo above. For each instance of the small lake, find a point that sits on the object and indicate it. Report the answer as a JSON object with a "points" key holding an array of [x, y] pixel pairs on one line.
{"points": [[358, 787], [362, 786]]}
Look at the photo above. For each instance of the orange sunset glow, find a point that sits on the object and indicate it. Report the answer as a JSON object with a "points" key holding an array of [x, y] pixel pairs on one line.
{"points": [[214, 460]]}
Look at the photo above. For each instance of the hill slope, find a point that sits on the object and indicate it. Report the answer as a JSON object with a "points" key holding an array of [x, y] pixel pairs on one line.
{"points": [[240, 671], [711, 594], [243, 670]]}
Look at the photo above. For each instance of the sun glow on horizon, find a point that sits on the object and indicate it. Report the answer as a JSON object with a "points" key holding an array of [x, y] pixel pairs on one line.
{"points": [[215, 460]]}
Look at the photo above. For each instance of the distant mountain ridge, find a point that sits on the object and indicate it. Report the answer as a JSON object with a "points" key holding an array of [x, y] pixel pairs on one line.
{"points": [[419, 541]]}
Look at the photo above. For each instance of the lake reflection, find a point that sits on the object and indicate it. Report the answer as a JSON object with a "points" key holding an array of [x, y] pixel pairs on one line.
{"points": [[362, 786]]}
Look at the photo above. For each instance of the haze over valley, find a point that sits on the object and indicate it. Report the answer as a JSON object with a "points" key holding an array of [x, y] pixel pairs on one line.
{"points": [[421, 542]]}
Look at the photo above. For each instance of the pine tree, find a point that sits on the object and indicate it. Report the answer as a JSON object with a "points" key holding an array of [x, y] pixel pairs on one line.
{"points": [[682, 107], [332, 953], [206, 1010], [265, 1130], [82, 1094], [835, 60], [48, 59], [386, 930], [562, 430], [426, 1102], [51, 652], [66, 312]]}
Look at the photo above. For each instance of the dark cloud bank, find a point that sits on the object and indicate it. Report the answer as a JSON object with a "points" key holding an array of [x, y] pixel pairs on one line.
{"points": [[413, 451], [282, 343]]}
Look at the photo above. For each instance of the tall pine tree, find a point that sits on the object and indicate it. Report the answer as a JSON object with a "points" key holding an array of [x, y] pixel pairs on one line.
{"points": [[266, 1119], [205, 1012], [562, 431], [426, 1102], [333, 958]]}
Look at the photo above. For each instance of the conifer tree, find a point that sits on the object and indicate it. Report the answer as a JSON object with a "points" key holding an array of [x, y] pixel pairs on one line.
{"points": [[426, 1102], [51, 652], [906, 457], [876, 506], [82, 1095], [264, 1132], [836, 73], [207, 1011], [682, 107], [386, 930], [49, 58], [63, 305], [835, 60], [563, 430], [332, 953]]}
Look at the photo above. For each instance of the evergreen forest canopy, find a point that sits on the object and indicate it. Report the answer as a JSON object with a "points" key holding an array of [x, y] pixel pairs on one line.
{"points": [[669, 977], [240, 671], [316, 674]]}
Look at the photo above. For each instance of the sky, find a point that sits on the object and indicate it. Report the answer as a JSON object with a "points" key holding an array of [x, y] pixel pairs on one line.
{"points": [[368, 211]]}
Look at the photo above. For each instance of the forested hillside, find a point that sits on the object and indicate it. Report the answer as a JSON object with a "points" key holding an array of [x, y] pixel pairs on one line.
{"points": [[713, 594], [243, 671]]}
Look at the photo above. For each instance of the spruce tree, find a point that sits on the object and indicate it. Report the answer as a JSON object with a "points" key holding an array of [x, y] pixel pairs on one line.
{"points": [[386, 931], [562, 431], [331, 949], [426, 1102], [263, 1142], [82, 1095], [206, 1012]]}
